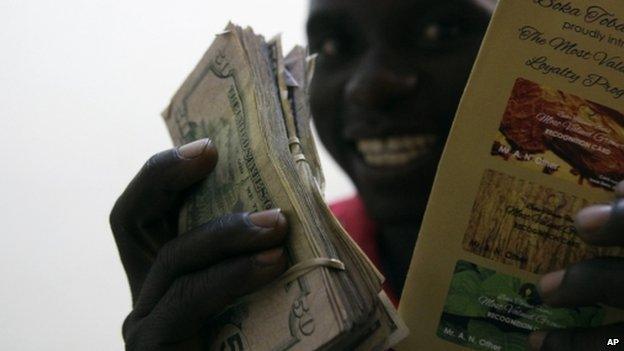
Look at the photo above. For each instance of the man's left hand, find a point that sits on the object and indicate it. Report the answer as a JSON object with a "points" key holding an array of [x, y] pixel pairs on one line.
{"points": [[596, 281]]}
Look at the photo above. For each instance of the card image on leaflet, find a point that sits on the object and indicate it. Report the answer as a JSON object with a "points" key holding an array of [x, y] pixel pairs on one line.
{"points": [[527, 225], [563, 135], [486, 310]]}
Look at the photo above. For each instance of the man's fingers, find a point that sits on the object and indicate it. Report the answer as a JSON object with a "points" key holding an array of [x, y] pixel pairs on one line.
{"points": [[152, 194], [602, 225], [194, 299], [226, 237], [159, 184], [602, 338], [230, 235], [619, 189], [143, 217], [585, 283]]}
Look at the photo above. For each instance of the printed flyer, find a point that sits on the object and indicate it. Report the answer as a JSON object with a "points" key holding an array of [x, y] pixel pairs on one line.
{"points": [[539, 135]]}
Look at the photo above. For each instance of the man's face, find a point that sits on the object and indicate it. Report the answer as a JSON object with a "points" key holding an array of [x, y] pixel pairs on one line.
{"points": [[389, 76]]}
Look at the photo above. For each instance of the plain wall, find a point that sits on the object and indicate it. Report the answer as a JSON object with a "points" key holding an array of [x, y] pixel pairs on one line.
{"points": [[82, 84]]}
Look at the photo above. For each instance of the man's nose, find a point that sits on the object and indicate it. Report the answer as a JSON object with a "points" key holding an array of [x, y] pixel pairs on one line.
{"points": [[380, 81]]}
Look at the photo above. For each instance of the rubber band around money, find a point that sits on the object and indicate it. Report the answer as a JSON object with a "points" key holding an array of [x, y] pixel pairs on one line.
{"points": [[294, 141], [305, 267], [296, 271]]}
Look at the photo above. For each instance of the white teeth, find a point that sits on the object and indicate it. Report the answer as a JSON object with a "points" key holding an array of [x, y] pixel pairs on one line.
{"points": [[371, 146], [395, 151]]}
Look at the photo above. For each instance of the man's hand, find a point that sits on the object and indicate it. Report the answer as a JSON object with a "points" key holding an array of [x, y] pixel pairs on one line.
{"points": [[591, 282], [179, 282]]}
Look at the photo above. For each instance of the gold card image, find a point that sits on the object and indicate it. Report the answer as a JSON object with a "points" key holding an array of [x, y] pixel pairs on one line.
{"points": [[527, 225], [563, 135]]}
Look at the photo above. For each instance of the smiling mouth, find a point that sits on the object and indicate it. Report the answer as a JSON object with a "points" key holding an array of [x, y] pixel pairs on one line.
{"points": [[396, 151]]}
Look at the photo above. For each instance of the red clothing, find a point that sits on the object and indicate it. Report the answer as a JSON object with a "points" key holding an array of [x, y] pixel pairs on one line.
{"points": [[352, 215]]}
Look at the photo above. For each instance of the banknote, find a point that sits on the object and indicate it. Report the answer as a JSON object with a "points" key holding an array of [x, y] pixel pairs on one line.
{"points": [[244, 97]]}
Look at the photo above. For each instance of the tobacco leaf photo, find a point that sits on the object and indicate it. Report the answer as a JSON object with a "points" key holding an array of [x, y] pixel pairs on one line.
{"points": [[566, 135], [527, 225]]}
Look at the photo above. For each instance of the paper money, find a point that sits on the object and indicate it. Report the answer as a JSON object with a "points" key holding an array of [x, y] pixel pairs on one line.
{"points": [[244, 97]]}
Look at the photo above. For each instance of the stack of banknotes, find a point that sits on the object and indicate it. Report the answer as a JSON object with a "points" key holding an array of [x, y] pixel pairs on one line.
{"points": [[252, 102]]}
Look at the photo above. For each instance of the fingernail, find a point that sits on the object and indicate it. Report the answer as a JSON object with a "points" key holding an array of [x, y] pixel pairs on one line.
{"points": [[194, 149], [270, 257], [266, 219], [619, 189], [550, 283], [591, 219], [536, 340]]}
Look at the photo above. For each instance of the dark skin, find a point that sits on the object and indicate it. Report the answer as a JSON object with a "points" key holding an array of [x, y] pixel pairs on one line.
{"points": [[381, 73], [386, 69], [179, 282]]}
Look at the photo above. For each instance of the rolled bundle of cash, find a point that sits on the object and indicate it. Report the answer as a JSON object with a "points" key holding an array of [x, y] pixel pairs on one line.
{"points": [[252, 102]]}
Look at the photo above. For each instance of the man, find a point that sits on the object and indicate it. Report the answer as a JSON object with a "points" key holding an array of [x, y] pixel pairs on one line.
{"points": [[389, 77]]}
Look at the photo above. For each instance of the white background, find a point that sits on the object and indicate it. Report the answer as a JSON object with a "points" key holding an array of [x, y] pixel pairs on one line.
{"points": [[82, 84]]}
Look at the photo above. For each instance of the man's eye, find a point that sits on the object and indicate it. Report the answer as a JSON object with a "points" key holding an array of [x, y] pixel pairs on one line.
{"points": [[438, 32], [329, 47]]}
